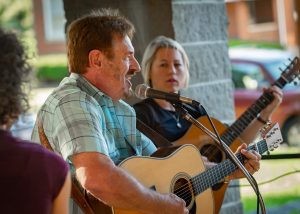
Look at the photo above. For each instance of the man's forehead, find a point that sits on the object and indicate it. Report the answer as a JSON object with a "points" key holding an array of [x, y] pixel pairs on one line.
{"points": [[124, 43]]}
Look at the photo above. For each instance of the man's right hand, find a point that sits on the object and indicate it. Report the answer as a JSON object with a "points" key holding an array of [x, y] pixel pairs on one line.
{"points": [[176, 205], [179, 206]]}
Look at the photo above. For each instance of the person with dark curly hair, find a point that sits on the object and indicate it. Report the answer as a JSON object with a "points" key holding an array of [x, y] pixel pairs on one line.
{"points": [[33, 179]]}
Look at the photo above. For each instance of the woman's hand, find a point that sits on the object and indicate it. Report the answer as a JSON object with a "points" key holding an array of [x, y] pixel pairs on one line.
{"points": [[268, 111]]}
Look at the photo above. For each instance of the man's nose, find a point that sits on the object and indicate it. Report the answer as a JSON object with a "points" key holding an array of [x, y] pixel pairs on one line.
{"points": [[135, 65]]}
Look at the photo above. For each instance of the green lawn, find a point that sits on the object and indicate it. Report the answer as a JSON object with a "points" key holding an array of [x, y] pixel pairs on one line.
{"points": [[51, 67], [275, 188], [257, 44], [271, 199]]}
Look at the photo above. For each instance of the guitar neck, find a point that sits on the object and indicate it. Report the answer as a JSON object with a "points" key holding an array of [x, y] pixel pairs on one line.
{"points": [[236, 129], [214, 175]]}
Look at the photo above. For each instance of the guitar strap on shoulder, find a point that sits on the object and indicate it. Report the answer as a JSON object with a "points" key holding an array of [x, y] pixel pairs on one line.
{"points": [[157, 138], [76, 193]]}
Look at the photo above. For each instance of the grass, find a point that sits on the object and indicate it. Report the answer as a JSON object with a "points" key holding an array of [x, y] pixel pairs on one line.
{"points": [[268, 45], [271, 200], [279, 191], [51, 67]]}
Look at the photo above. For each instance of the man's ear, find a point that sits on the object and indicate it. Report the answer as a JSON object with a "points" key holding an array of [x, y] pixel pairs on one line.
{"points": [[95, 58]]}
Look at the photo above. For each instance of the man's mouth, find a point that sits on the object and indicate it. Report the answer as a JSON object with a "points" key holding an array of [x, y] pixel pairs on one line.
{"points": [[129, 75]]}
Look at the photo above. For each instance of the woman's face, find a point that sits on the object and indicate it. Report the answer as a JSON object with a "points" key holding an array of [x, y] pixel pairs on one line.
{"points": [[168, 72]]}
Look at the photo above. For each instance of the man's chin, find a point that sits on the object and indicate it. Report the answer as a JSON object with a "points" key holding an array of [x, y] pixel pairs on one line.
{"points": [[129, 93]]}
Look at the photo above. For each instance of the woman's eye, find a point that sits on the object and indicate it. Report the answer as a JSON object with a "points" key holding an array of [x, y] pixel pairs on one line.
{"points": [[177, 64], [164, 65]]}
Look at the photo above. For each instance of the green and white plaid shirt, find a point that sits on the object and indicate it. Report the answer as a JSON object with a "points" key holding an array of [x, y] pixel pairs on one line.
{"points": [[77, 117]]}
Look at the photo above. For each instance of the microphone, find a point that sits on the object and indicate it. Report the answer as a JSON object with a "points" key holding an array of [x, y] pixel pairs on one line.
{"points": [[143, 91]]}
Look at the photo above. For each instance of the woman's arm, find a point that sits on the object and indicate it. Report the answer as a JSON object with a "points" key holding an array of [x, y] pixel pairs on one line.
{"points": [[61, 202]]}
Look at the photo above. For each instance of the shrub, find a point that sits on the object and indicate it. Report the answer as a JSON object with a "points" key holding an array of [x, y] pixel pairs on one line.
{"points": [[51, 67]]}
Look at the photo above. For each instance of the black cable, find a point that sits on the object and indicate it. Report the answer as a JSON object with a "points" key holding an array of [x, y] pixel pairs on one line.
{"points": [[257, 192], [200, 108], [268, 181]]}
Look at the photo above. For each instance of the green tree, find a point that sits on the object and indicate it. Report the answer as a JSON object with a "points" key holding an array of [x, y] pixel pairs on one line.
{"points": [[17, 16]]}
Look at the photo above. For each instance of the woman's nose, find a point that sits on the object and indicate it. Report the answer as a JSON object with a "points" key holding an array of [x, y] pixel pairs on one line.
{"points": [[172, 69]]}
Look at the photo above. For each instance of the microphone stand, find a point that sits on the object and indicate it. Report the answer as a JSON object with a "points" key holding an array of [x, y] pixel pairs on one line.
{"points": [[184, 114]]}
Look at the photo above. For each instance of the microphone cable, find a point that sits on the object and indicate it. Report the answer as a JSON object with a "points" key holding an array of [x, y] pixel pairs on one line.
{"points": [[270, 180], [255, 187]]}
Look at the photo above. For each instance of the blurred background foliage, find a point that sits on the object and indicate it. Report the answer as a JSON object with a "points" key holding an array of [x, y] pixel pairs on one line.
{"points": [[17, 16]]}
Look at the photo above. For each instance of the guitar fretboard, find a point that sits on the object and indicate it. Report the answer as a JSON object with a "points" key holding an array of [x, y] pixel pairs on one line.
{"points": [[236, 129], [214, 175]]}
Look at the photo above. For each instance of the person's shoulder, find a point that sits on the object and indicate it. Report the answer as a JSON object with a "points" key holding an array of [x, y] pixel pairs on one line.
{"points": [[37, 151], [70, 95]]}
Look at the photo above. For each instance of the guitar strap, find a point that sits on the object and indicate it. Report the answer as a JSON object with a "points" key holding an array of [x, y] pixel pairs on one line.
{"points": [[157, 138], [76, 193]]}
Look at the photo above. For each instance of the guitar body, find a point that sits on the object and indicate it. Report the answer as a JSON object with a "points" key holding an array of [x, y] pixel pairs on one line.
{"points": [[206, 145], [182, 173], [166, 174], [210, 149]]}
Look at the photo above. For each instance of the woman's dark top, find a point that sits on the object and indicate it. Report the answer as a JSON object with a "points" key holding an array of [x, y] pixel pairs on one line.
{"points": [[167, 123], [31, 177]]}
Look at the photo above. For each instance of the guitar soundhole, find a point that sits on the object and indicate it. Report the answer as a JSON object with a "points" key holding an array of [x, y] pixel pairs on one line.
{"points": [[183, 189], [212, 152]]}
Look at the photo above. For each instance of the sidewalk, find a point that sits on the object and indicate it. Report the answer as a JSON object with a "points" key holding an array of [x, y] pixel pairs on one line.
{"points": [[24, 125]]}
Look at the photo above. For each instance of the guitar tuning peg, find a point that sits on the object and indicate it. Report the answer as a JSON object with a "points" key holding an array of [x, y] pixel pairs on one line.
{"points": [[295, 83], [280, 69]]}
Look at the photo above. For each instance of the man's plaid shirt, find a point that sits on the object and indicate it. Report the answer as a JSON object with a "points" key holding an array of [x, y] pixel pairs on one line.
{"points": [[77, 117]]}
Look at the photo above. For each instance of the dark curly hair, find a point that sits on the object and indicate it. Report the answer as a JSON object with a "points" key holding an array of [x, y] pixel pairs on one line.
{"points": [[14, 70]]}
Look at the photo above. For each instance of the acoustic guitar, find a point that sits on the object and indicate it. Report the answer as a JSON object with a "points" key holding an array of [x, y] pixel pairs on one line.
{"points": [[230, 134], [183, 173]]}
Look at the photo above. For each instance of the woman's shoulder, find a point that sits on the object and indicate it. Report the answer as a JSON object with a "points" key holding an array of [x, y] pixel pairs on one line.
{"points": [[146, 104], [40, 154]]}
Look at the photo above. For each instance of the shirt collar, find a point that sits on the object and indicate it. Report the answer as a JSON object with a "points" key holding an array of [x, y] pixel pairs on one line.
{"points": [[86, 86]]}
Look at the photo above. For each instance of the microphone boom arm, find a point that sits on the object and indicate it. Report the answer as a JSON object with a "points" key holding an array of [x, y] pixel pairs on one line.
{"points": [[227, 150]]}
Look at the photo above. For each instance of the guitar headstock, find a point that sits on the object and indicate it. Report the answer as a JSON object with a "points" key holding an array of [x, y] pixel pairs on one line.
{"points": [[273, 137], [292, 70]]}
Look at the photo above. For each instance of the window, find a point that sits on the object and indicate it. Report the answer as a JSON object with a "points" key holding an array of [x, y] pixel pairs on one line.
{"points": [[261, 11], [248, 76], [54, 20]]}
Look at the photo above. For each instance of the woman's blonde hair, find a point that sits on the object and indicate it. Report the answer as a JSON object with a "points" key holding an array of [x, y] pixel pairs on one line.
{"points": [[151, 50]]}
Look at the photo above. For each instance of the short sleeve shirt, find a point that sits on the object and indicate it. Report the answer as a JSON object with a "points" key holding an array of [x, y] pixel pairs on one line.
{"points": [[77, 117]]}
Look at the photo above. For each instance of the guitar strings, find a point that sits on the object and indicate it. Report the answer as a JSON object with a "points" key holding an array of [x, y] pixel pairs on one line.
{"points": [[212, 151], [186, 190]]}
